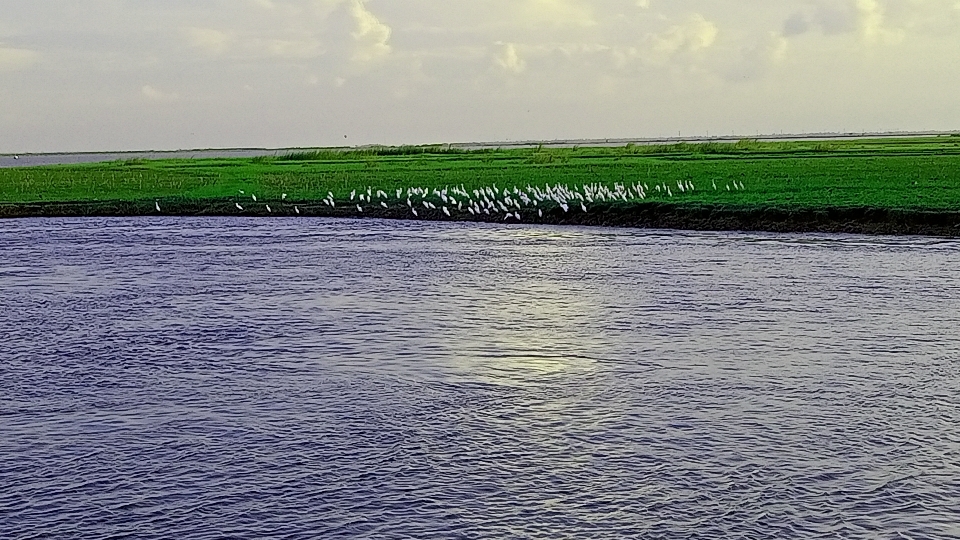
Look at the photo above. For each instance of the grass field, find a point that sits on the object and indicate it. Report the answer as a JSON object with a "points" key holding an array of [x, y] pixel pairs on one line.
{"points": [[911, 174]]}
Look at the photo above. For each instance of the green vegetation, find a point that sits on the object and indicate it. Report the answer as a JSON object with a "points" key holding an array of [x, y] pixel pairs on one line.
{"points": [[911, 174]]}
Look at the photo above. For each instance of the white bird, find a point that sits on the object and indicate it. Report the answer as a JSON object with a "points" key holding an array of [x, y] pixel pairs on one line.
{"points": [[296, 209], [157, 204], [359, 209], [414, 210], [254, 198], [242, 192], [353, 194], [583, 207], [283, 197], [383, 204], [445, 211], [268, 208], [540, 212], [238, 206]]}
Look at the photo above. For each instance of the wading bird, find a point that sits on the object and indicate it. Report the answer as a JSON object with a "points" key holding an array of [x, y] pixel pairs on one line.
{"points": [[157, 204], [238, 206]]}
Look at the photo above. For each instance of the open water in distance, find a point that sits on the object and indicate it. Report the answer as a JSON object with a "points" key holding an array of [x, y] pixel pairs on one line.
{"points": [[259, 378]]}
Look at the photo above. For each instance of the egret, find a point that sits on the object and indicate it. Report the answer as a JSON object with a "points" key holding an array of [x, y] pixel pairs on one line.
{"points": [[157, 204], [414, 210], [353, 194], [540, 212], [254, 198], [383, 204], [359, 209], [268, 208], [242, 192], [445, 211], [238, 206], [296, 209]]}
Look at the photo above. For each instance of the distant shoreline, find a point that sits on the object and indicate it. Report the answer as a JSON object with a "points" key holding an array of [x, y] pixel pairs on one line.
{"points": [[653, 215], [34, 159]]}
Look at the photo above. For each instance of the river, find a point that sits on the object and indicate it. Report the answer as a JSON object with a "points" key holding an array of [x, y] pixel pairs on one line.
{"points": [[310, 378]]}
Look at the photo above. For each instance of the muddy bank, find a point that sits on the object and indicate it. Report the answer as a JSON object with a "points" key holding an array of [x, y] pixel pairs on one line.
{"points": [[643, 215]]}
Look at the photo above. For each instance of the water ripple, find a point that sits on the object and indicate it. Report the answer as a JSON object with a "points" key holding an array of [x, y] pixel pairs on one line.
{"points": [[240, 378]]}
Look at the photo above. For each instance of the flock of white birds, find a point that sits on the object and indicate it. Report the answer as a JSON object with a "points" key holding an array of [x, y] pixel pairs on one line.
{"points": [[492, 201]]}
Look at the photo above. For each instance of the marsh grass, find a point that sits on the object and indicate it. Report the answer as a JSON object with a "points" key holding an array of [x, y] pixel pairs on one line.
{"points": [[908, 173]]}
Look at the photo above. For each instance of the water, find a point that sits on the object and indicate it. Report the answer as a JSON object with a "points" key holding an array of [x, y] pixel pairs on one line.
{"points": [[256, 378]]}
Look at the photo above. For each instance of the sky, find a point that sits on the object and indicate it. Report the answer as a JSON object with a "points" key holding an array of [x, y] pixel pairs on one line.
{"points": [[101, 75]]}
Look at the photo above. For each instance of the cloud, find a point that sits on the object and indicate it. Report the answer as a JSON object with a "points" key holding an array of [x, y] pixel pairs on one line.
{"points": [[866, 18], [211, 40], [158, 96], [555, 13], [695, 35], [372, 37], [12, 59], [872, 24], [509, 59]]}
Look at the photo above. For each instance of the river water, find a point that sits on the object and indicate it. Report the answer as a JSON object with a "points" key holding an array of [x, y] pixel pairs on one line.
{"points": [[261, 378]]}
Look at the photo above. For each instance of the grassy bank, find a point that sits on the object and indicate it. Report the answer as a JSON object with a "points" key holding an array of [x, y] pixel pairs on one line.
{"points": [[902, 177]]}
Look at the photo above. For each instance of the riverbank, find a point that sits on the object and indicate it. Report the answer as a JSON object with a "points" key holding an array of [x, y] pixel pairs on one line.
{"points": [[908, 186], [862, 220]]}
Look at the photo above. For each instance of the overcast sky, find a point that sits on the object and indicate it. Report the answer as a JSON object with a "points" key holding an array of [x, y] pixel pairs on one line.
{"points": [[169, 74]]}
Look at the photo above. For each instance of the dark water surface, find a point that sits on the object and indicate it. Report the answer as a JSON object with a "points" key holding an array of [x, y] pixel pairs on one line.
{"points": [[257, 378]]}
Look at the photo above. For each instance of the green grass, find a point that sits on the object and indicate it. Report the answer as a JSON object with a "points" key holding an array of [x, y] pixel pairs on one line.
{"points": [[920, 173]]}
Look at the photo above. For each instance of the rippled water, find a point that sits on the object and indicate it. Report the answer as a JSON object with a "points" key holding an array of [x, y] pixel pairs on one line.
{"points": [[256, 378]]}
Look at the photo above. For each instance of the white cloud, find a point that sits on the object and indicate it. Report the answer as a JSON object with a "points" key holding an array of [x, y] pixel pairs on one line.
{"points": [[372, 37], [12, 59], [158, 96], [695, 35], [209, 39], [555, 13], [509, 59], [872, 23]]}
